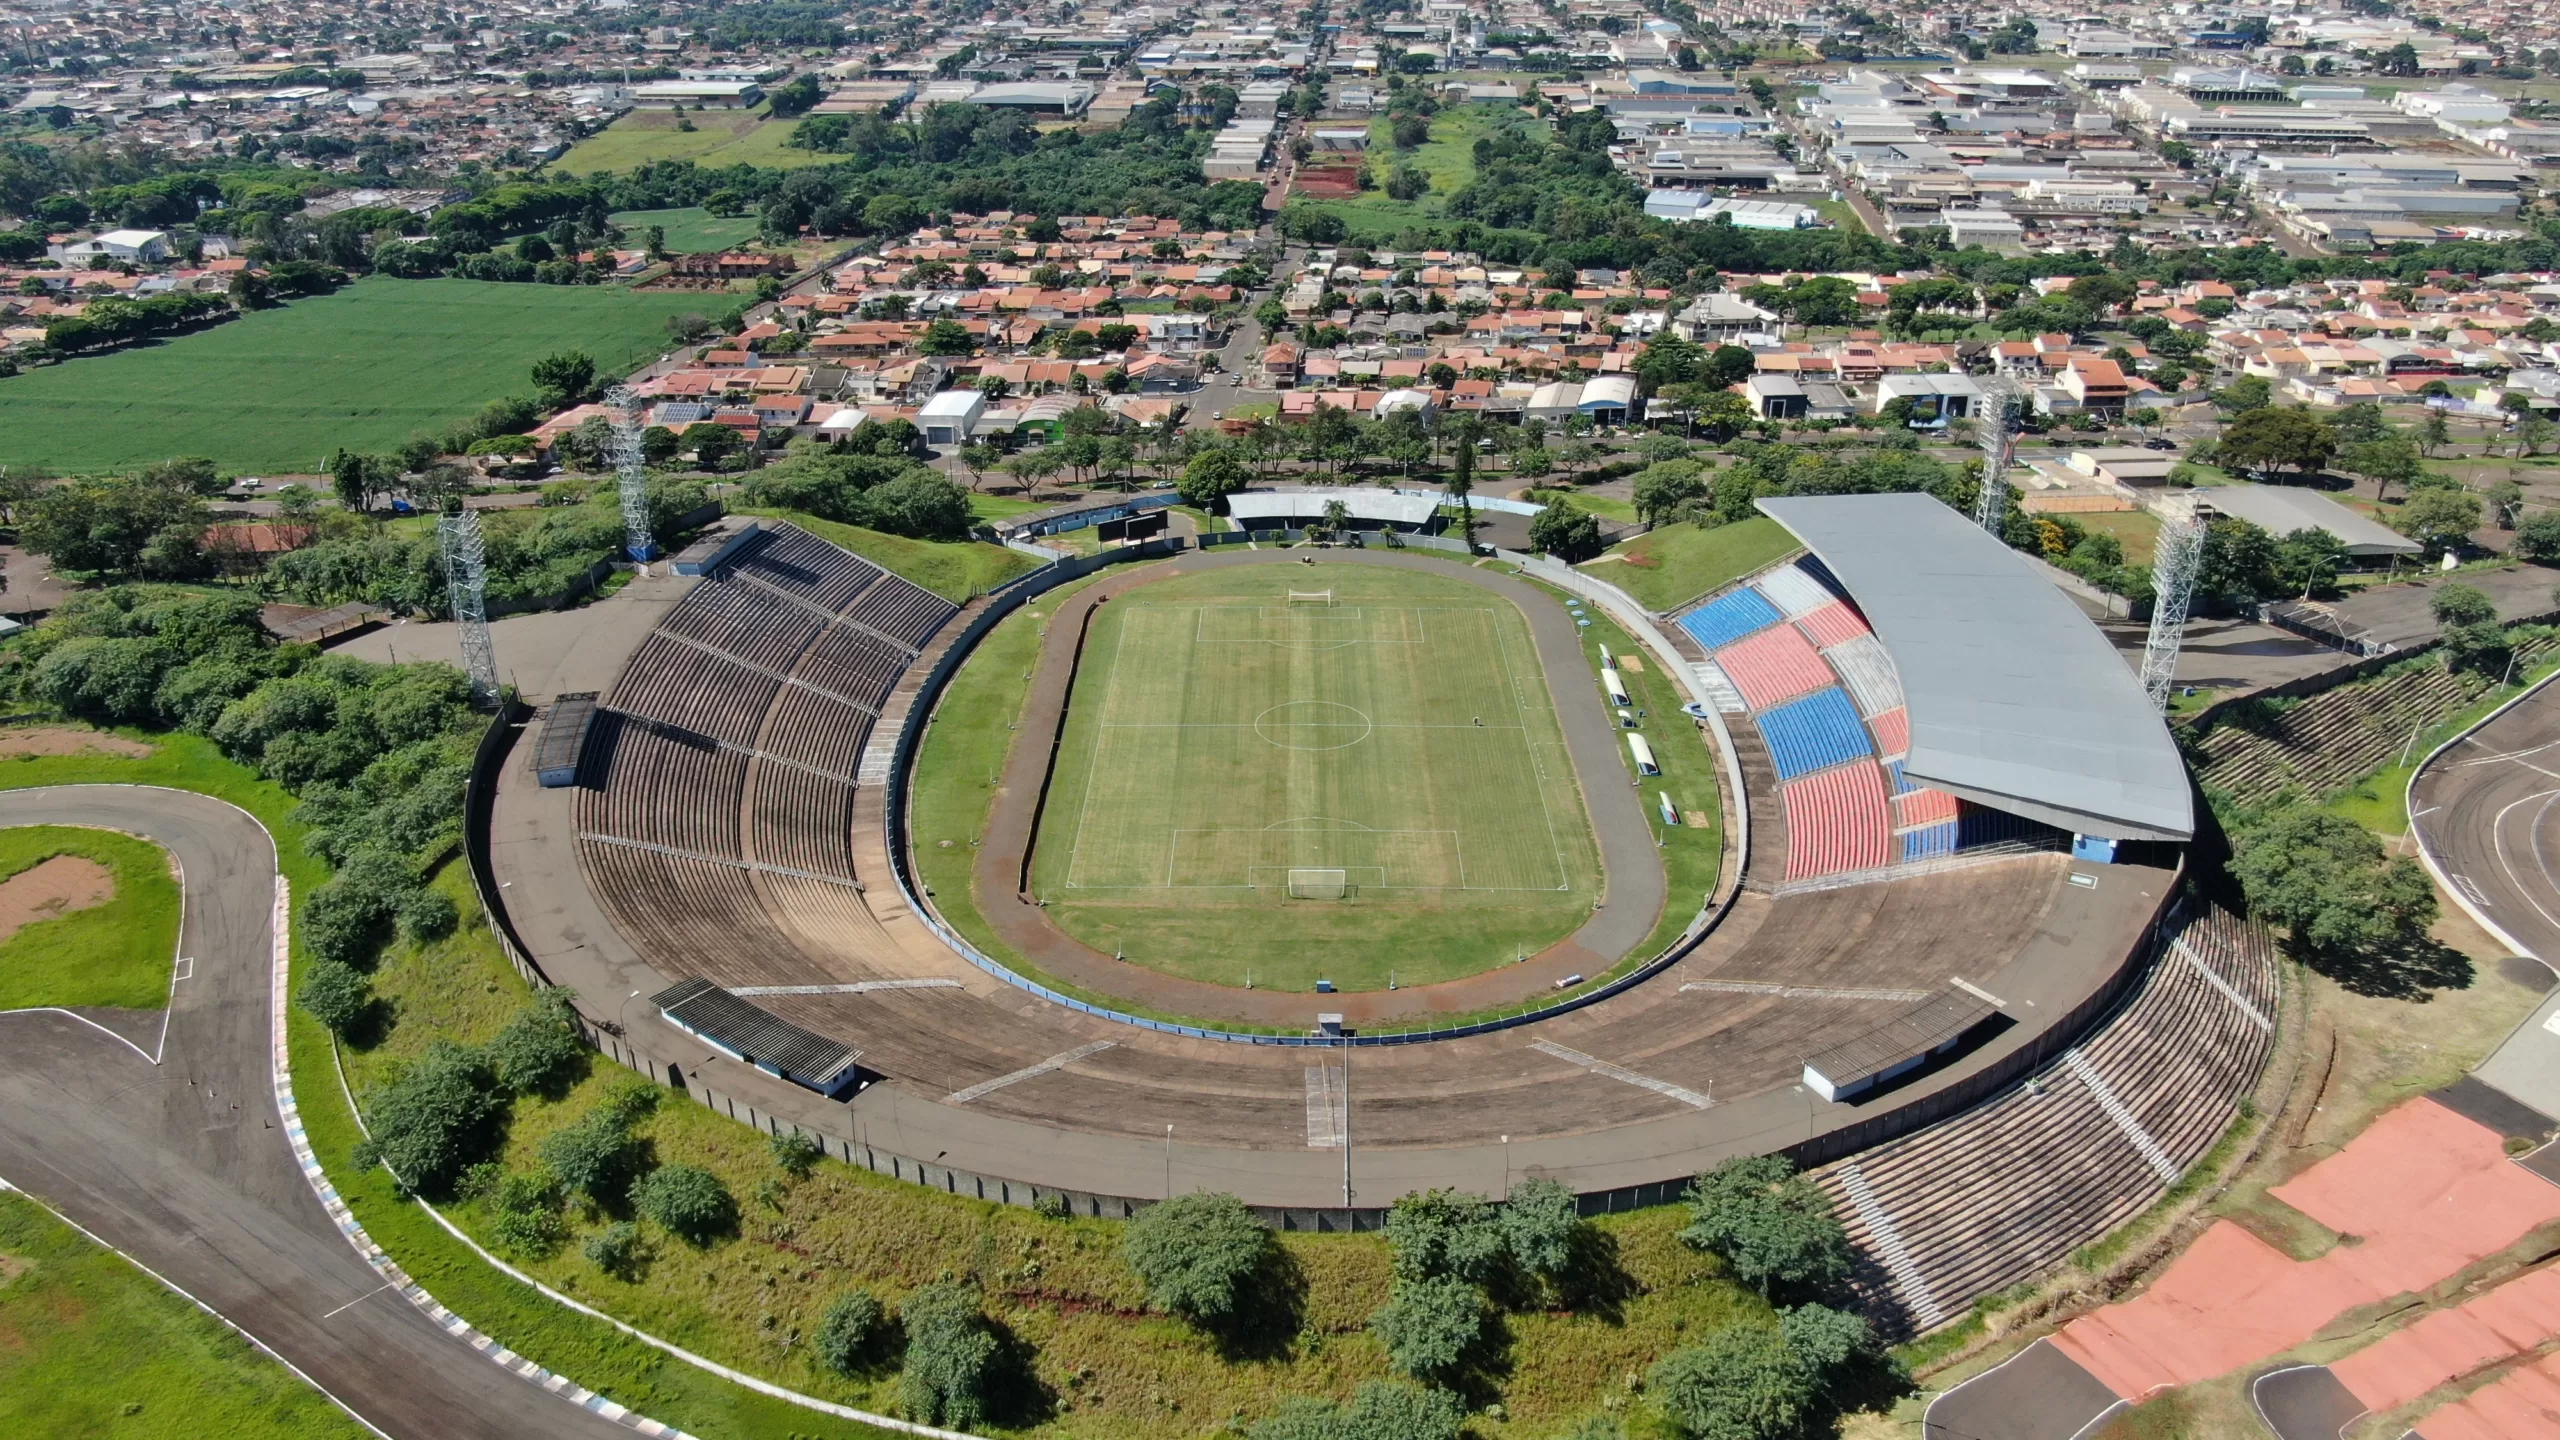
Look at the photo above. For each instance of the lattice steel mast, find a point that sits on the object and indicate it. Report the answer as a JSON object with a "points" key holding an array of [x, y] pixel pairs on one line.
{"points": [[631, 469], [466, 579], [2000, 403], [2177, 558]]}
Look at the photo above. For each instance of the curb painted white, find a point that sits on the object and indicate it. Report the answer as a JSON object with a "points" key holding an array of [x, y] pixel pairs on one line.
{"points": [[181, 1292], [2426, 857]]}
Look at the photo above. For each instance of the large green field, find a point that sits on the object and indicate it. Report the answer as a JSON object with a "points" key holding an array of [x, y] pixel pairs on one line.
{"points": [[366, 368], [689, 231], [1672, 565], [1448, 157], [734, 137], [91, 1346], [1223, 741]]}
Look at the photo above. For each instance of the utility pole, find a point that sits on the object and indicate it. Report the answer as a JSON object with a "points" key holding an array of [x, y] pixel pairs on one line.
{"points": [[466, 579], [631, 470], [2177, 559]]}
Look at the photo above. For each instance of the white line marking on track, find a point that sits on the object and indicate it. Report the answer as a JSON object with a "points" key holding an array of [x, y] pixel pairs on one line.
{"points": [[1802, 992], [1620, 1073], [858, 987], [1029, 1072], [1977, 992], [369, 1294], [1327, 1105]]}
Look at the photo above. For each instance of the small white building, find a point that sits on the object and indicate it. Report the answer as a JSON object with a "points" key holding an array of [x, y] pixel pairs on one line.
{"points": [[951, 417], [141, 247]]}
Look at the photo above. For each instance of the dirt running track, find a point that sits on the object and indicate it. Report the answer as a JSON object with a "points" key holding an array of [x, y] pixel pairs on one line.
{"points": [[184, 1167], [1631, 866]]}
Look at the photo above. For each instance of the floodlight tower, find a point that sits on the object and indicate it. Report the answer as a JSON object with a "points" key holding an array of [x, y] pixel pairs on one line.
{"points": [[631, 469], [2177, 559], [2000, 406], [466, 578]]}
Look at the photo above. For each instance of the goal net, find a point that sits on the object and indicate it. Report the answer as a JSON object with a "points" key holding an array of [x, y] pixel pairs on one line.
{"points": [[1319, 884], [1322, 598]]}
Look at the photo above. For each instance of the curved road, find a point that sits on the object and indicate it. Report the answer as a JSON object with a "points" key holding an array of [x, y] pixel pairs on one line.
{"points": [[184, 1165], [2487, 810]]}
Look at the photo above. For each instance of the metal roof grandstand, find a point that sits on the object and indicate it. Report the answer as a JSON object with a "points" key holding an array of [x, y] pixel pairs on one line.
{"points": [[1296, 506], [2016, 700], [760, 1038]]}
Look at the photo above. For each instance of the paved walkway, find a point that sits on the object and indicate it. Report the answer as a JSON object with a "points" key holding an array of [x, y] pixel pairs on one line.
{"points": [[183, 1165], [1632, 864]]}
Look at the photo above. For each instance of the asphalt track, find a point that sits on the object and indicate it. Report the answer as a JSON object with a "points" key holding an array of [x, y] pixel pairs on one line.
{"points": [[184, 1167], [2037, 1394], [2487, 809]]}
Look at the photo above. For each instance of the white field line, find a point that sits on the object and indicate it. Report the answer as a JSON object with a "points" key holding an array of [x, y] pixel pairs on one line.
{"points": [[1028, 1072], [1623, 1075]]}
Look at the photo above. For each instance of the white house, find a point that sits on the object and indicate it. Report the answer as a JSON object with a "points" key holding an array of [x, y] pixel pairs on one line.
{"points": [[141, 247]]}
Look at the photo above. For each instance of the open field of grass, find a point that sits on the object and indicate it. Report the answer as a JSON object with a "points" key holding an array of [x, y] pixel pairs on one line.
{"points": [[1676, 564], [366, 368], [1448, 157], [91, 1346], [1220, 738], [726, 137], [2135, 530], [116, 951], [691, 230], [954, 571]]}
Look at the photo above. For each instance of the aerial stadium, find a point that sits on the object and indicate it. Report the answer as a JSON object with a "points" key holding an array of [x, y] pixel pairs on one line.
{"points": [[1321, 876]]}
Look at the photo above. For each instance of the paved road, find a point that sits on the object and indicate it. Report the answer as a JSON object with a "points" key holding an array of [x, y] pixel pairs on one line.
{"points": [[184, 1167], [2488, 812]]}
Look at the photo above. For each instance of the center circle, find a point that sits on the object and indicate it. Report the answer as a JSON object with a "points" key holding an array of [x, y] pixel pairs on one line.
{"points": [[1312, 725]]}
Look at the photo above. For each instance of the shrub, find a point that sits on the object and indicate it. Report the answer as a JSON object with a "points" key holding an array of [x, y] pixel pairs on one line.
{"points": [[539, 1050], [2462, 605], [435, 1117], [1740, 1383], [687, 1201], [336, 995], [425, 914], [1379, 1410], [1429, 1325], [1773, 1226], [593, 1155], [629, 1101], [851, 1330], [797, 1153], [950, 1357], [1540, 1222], [616, 1250], [1196, 1253], [1445, 1232], [525, 1216]]}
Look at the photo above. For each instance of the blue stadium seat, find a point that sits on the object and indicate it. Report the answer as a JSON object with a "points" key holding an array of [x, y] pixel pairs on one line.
{"points": [[1929, 841], [1810, 734], [1722, 621]]}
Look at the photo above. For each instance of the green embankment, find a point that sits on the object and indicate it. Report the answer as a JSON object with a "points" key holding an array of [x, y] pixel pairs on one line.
{"points": [[1673, 565], [954, 571]]}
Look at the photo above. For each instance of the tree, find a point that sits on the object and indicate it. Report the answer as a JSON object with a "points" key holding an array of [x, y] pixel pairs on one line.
{"points": [[850, 1332], [593, 1155], [687, 1201], [946, 337], [1462, 482], [711, 442], [2267, 440], [525, 1216], [539, 1050], [111, 525], [2308, 561], [2386, 462], [2249, 392], [1196, 1254], [1540, 1223], [2462, 605], [2352, 912], [1212, 477], [2433, 432], [1565, 532], [950, 1357], [1740, 1383], [2438, 519], [1773, 1226], [2538, 539], [1379, 1410], [435, 1117], [1436, 1233], [1661, 489], [336, 995], [1430, 1325], [564, 379], [2506, 503]]}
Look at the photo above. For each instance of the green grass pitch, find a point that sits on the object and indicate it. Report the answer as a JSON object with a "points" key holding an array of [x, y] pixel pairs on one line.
{"points": [[1221, 736], [366, 368]]}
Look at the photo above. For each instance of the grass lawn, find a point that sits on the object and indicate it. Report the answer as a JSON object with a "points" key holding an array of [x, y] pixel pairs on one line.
{"points": [[91, 1346], [1219, 739], [1448, 157], [733, 137], [115, 951], [954, 571], [1691, 853], [2135, 530], [1002, 507], [691, 230], [367, 368], [1675, 564]]}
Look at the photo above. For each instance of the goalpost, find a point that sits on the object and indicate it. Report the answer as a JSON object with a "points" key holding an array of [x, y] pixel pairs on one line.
{"points": [[1319, 884], [1322, 598]]}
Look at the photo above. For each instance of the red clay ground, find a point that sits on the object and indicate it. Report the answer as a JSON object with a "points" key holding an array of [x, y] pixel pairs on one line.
{"points": [[2423, 1192], [2514, 1319]]}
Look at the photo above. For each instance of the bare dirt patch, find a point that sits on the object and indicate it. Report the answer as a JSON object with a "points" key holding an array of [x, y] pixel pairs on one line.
{"points": [[52, 889], [11, 1267], [17, 743]]}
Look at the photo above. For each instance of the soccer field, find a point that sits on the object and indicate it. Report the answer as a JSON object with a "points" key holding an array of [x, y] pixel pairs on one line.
{"points": [[1395, 747], [367, 368]]}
